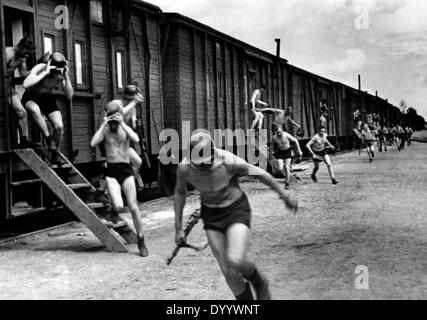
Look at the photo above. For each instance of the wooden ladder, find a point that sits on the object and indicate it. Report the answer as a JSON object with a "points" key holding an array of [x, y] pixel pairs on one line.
{"points": [[75, 191]]}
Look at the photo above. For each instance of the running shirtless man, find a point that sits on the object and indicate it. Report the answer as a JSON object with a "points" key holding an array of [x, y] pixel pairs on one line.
{"points": [[39, 99], [281, 145], [225, 210], [316, 146], [116, 136]]}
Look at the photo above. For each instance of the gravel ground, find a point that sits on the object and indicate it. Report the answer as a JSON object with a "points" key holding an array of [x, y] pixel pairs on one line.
{"points": [[375, 217]]}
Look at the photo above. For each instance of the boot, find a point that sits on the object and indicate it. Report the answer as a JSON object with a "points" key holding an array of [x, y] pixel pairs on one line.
{"points": [[313, 177], [260, 284], [57, 159]]}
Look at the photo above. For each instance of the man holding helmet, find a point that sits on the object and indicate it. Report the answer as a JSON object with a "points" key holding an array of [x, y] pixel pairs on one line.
{"points": [[40, 101]]}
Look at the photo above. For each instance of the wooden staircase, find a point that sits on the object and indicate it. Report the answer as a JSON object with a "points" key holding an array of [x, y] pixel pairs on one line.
{"points": [[76, 193]]}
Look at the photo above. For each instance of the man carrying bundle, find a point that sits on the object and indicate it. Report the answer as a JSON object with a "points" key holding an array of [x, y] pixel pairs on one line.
{"points": [[225, 210]]}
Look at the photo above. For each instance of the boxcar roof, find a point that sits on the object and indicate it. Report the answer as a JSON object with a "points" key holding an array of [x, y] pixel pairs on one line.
{"points": [[148, 6], [176, 17]]}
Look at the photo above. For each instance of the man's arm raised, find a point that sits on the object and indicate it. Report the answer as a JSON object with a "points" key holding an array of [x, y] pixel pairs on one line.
{"points": [[98, 137], [37, 74], [132, 134]]}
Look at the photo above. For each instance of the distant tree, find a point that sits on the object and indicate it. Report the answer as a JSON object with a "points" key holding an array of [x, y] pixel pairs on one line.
{"points": [[412, 111], [402, 106]]}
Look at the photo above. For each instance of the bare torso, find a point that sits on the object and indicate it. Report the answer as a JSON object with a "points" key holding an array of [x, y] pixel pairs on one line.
{"points": [[318, 143], [116, 145], [281, 143], [47, 84], [219, 185]]}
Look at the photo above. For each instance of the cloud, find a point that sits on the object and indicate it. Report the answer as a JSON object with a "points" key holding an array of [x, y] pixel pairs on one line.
{"points": [[354, 60]]}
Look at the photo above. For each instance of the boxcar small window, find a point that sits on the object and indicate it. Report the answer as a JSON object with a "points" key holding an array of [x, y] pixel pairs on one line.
{"points": [[96, 11], [48, 44], [79, 62], [120, 67]]}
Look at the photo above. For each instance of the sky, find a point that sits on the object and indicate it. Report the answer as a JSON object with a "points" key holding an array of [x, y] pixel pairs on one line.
{"points": [[385, 41]]}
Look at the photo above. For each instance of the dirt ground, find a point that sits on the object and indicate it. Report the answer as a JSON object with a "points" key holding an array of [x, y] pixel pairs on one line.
{"points": [[375, 217]]}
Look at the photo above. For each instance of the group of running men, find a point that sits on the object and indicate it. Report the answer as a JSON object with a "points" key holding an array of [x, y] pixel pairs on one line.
{"points": [[225, 209], [381, 135]]}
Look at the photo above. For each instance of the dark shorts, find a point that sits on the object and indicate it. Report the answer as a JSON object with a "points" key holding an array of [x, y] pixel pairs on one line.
{"points": [[46, 102], [369, 143], [322, 153], [283, 154], [119, 171], [220, 219]]}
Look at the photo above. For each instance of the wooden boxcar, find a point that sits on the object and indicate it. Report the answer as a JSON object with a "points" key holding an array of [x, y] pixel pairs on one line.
{"points": [[208, 76], [109, 44]]}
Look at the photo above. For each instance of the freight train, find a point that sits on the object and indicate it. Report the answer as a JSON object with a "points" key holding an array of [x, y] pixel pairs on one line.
{"points": [[187, 72]]}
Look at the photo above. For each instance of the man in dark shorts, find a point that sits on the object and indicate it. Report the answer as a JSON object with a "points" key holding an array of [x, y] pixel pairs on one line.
{"points": [[130, 99], [225, 210], [40, 101], [401, 137], [16, 58], [382, 138], [368, 138], [281, 145], [316, 146], [116, 136]]}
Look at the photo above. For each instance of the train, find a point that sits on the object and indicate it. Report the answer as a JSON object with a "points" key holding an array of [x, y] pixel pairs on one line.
{"points": [[186, 70]]}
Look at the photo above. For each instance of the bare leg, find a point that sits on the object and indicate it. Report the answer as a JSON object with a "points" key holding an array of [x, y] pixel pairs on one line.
{"points": [[217, 242], [130, 192], [136, 162], [34, 109], [315, 169], [256, 119], [22, 116], [115, 192], [237, 236], [129, 189], [260, 121], [288, 170], [329, 166], [55, 119]]}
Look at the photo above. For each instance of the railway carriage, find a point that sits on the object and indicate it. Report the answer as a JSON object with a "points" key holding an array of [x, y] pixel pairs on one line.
{"points": [[187, 71], [108, 44]]}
